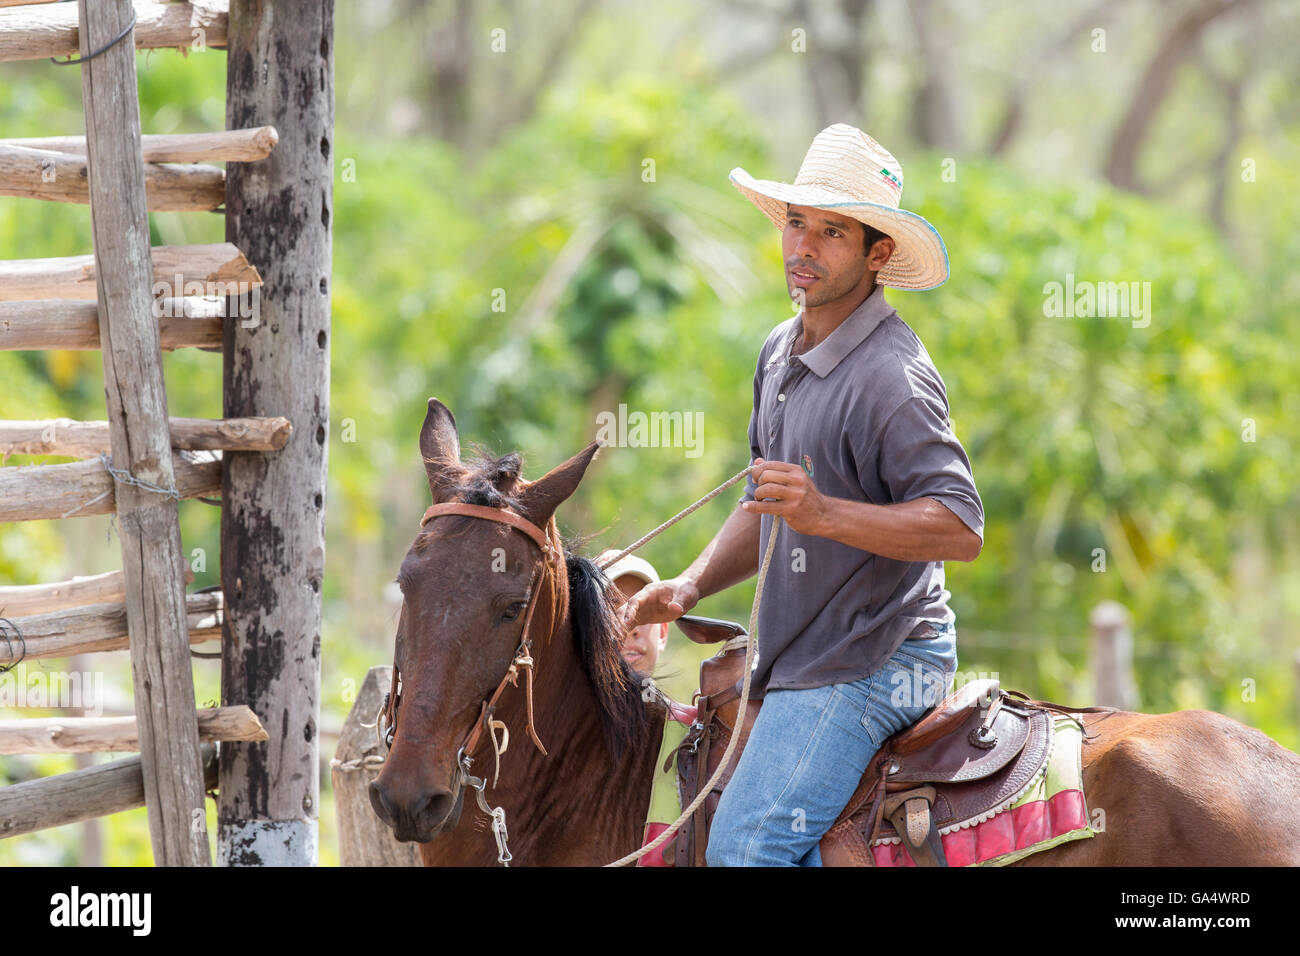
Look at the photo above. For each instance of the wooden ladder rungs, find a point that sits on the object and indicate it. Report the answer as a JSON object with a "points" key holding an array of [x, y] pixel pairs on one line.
{"points": [[98, 627], [230, 146], [63, 177], [214, 269], [37, 492], [116, 734], [78, 795], [63, 436], [46, 324], [18, 600], [34, 32]]}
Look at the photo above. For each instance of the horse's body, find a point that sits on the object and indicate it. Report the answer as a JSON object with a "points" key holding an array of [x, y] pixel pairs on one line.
{"points": [[1191, 788]]}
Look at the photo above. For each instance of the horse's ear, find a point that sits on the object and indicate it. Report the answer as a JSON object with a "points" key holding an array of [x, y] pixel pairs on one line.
{"points": [[540, 499], [440, 446]]}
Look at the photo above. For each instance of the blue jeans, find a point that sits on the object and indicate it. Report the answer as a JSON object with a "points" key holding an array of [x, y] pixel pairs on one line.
{"points": [[809, 749]]}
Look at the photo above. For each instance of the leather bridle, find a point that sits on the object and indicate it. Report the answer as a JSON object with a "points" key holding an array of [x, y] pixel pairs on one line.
{"points": [[523, 660]]}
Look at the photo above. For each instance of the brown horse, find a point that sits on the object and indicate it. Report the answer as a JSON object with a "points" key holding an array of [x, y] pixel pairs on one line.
{"points": [[1191, 788], [465, 587]]}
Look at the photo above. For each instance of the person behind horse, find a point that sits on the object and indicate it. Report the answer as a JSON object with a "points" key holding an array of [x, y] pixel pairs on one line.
{"points": [[851, 445], [642, 648], [646, 642]]}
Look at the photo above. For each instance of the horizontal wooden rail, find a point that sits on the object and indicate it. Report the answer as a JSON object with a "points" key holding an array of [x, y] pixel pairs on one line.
{"points": [[229, 146], [62, 177], [63, 436], [81, 795], [99, 627], [19, 600], [48, 735], [69, 324], [37, 492], [22, 599], [35, 32], [214, 269]]}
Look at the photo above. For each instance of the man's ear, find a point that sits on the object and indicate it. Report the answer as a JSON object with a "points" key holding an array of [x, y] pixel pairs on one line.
{"points": [[663, 635], [881, 251]]}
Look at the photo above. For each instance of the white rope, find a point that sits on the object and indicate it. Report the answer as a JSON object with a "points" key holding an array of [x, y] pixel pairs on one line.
{"points": [[673, 520], [740, 714], [368, 762]]}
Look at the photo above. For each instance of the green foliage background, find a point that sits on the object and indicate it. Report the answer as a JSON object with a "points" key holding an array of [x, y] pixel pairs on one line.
{"points": [[1083, 433]]}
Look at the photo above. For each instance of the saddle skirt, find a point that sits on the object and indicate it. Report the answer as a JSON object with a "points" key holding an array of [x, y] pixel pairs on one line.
{"points": [[971, 757]]}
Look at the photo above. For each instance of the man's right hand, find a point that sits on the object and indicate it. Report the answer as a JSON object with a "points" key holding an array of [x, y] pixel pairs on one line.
{"points": [[657, 603]]}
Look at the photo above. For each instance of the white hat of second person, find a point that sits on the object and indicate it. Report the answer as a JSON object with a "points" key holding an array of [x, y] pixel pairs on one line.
{"points": [[631, 564]]}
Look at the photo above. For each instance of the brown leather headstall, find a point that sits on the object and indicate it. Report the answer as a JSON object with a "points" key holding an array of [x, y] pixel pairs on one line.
{"points": [[523, 659]]}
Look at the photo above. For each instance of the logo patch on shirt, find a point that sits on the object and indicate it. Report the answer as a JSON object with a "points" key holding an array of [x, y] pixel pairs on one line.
{"points": [[806, 461]]}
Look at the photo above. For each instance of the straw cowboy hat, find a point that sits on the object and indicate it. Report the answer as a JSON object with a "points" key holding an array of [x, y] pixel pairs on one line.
{"points": [[848, 171]]}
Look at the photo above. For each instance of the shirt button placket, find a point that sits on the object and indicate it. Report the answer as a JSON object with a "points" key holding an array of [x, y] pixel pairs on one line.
{"points": [[778, 411]]}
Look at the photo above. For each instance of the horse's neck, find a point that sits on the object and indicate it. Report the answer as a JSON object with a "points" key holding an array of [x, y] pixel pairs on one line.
{"points": [[577, 806]]}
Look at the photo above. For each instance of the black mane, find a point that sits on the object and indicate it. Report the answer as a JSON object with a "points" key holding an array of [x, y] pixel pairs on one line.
{"points": [[596, 630]]}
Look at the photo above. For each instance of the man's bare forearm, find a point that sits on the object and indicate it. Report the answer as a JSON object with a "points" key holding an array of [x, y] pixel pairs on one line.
{"points": [[731, 557], [919, 530]]}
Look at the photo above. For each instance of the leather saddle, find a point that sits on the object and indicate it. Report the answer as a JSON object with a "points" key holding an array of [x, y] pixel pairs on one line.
{"points": [[965, 759]]}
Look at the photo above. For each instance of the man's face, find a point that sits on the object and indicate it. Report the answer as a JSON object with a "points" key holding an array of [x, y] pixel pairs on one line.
{"points": [[824, 256], [644, 644]]}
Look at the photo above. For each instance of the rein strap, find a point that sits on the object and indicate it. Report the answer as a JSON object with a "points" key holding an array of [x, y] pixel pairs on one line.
{"points": [[523, 659]]}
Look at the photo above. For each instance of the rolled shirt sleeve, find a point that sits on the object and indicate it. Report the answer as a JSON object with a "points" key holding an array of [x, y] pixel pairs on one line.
{"points": [[920, 457]]}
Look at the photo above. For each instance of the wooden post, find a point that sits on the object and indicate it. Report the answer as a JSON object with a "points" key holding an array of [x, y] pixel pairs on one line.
{"points": [[137, 412], [364, 840], [1112, 656], [280, 72]]}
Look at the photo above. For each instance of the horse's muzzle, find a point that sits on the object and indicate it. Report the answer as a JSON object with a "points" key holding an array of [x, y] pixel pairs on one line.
{"points": [[420, 818]]}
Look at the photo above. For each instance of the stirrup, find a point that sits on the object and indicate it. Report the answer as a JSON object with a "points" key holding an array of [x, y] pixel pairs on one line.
{"points": [[910, 814]]}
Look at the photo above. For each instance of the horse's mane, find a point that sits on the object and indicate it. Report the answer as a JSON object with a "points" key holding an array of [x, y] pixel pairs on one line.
{"points": [[489, 480], [596, 629], [486, 479]]}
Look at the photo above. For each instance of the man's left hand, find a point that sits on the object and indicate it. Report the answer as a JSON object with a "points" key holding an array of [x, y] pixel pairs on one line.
{"points": [[796, 498]]}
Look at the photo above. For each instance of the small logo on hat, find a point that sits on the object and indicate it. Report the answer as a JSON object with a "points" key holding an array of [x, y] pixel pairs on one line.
{"points": [[894, 180]]}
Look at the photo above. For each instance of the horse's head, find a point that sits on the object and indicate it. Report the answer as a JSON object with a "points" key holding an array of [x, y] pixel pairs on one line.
{"points": [[467, 584]]}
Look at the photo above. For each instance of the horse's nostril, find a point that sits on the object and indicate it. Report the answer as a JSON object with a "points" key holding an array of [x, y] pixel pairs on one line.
{"points": [[423, 812], [379, 801], [439, 807]]}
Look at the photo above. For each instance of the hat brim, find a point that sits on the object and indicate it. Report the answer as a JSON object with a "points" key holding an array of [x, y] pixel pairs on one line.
{"points": [[630, 566], [920, 259]]}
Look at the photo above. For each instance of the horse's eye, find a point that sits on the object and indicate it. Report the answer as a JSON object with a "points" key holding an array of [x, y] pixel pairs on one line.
{"points": [[513, 611]]}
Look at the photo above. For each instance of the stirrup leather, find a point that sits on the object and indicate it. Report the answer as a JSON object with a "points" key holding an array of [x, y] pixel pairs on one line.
{"points": [[910, 814]]}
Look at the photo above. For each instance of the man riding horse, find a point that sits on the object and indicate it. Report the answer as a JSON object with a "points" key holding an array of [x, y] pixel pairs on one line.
{"points": [[852, 447]]}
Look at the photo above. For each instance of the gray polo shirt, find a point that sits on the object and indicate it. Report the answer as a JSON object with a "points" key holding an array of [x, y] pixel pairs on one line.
{"points": [[866, 409]]}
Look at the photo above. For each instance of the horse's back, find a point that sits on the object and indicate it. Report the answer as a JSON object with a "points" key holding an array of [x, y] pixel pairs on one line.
{"points": [[1191, 788]]}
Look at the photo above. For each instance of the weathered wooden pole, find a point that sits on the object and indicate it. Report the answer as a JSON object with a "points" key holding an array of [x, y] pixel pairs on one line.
{"points": [[364, 840], [1112, 656], [146, 500], [280, 72]]}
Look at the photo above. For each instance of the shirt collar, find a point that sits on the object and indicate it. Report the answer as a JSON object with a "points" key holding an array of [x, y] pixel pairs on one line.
{"points": [[848, 335]]}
